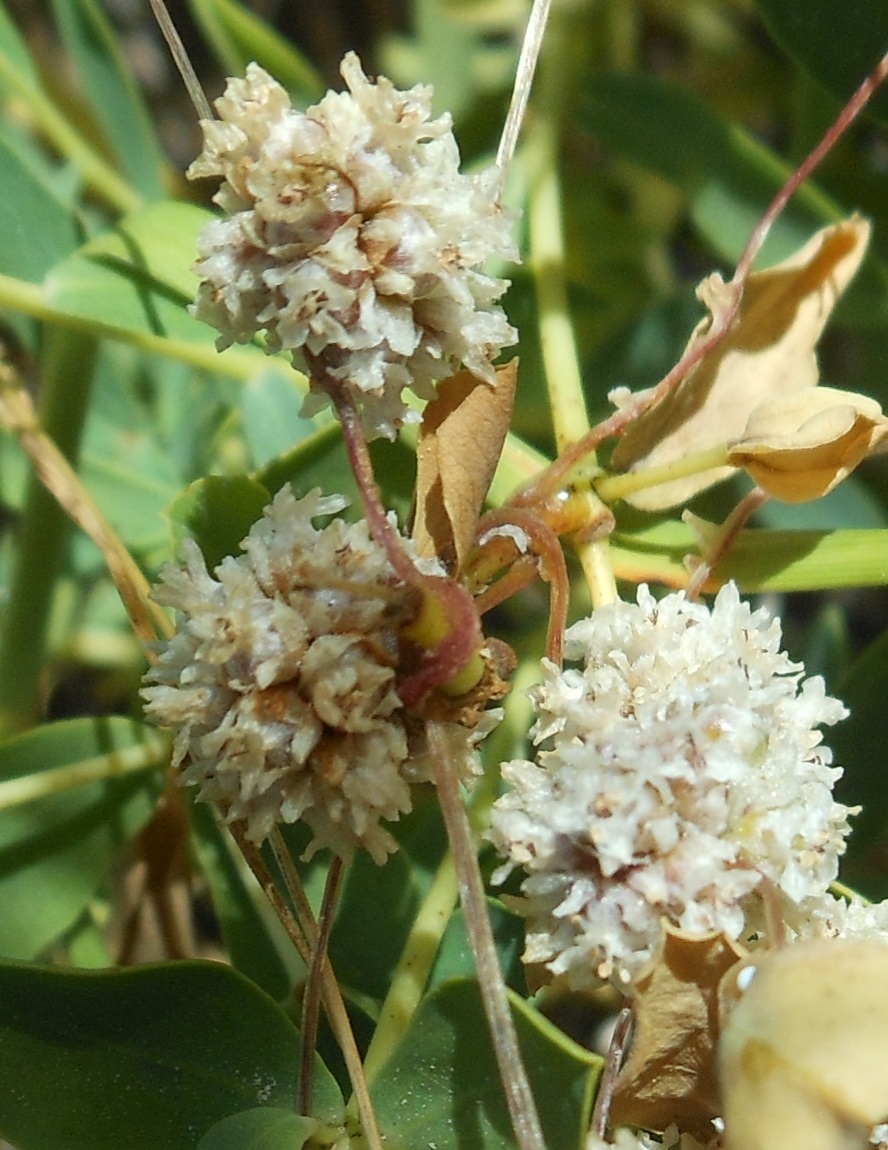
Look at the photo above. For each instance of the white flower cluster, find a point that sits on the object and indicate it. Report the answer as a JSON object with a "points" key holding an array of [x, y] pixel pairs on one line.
{"points": [[281, 682], [685, 768], [352, 236]]}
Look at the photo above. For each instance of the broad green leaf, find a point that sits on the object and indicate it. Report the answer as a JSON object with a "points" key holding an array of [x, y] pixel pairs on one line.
{"points": [[379, 904], [454, 958], [218, 512], [441, 1087], [56, 849], [838, 41], [36, 228], [107, 81], [143, 1058], [270, 405], [240, 36], [265, 1128], [138, 275], [729, 177]]}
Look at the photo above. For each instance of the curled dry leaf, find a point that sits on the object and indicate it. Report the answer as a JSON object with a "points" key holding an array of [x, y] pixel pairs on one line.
{"points": [[803, 1059], [670, 1074], [462, 435], [769, 351], [800, 446]]}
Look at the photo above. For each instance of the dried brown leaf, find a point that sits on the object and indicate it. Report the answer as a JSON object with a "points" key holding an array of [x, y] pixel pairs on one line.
{"points": [[768, 351], [460, 442], [800, 446], [670, 1074], [803, 1059]]}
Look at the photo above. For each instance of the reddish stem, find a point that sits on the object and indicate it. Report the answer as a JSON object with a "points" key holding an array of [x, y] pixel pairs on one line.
{"points": [[554, 477]]}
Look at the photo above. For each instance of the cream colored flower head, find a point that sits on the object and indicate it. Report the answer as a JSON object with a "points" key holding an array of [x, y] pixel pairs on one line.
{"points": [[352, 238], [684, 768], [281, 682]]}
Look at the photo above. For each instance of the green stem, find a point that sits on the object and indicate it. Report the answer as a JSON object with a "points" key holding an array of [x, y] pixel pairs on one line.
{"points": [[99, 176], [613, 487], [549, 264], [31, 299], [55, 780], [68, 362], [413, 969]]}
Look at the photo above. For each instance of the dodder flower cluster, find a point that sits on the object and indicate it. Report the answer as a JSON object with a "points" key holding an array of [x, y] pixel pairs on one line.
{"points": [[352, 235], [281, 680], [685, 768]]}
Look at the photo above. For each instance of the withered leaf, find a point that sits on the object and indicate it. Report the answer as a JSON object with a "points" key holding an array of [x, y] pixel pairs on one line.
{"points": [[801, 445], [462, 435], [803, 1059], [769, 350], [670, 1074]]}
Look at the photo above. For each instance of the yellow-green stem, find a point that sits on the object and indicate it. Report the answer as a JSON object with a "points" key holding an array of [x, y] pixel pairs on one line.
{"points": [[413, 969], [548, 263], [99, 176], [613, 487], [15, 792]]}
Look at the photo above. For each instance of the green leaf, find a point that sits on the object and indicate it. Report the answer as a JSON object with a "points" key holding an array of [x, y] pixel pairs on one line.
{"points": [[839, 42], [760, 560], [56, 849], [728, 176], [441, 1087], [138, 275], [271, 404], [36, 228], [115, 99], [239, 36], [218, 512], [14, 50], [143, 1058], [454, 958], [266, 1128]]}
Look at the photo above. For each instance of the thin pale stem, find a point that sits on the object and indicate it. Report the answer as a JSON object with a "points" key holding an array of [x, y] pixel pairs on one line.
{"points": [[362, 468], [519, 1097], [311, 1001], [66, 382], [333, 1000], [181, 60], [294, 885], [527, 62], [836, 130], [62, 481], [615, 1052], [724, 541]]}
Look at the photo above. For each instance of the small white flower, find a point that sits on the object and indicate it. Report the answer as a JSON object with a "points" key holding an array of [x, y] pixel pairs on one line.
{"points": [[351, 236], [281, 682], [685, 767]]}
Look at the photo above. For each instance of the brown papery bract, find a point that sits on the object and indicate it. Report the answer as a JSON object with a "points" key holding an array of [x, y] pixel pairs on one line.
{"points": [[769, 350]]}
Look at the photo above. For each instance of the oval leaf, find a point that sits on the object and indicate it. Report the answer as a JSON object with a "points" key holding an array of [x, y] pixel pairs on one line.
{"points": [[142, 1058]]}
